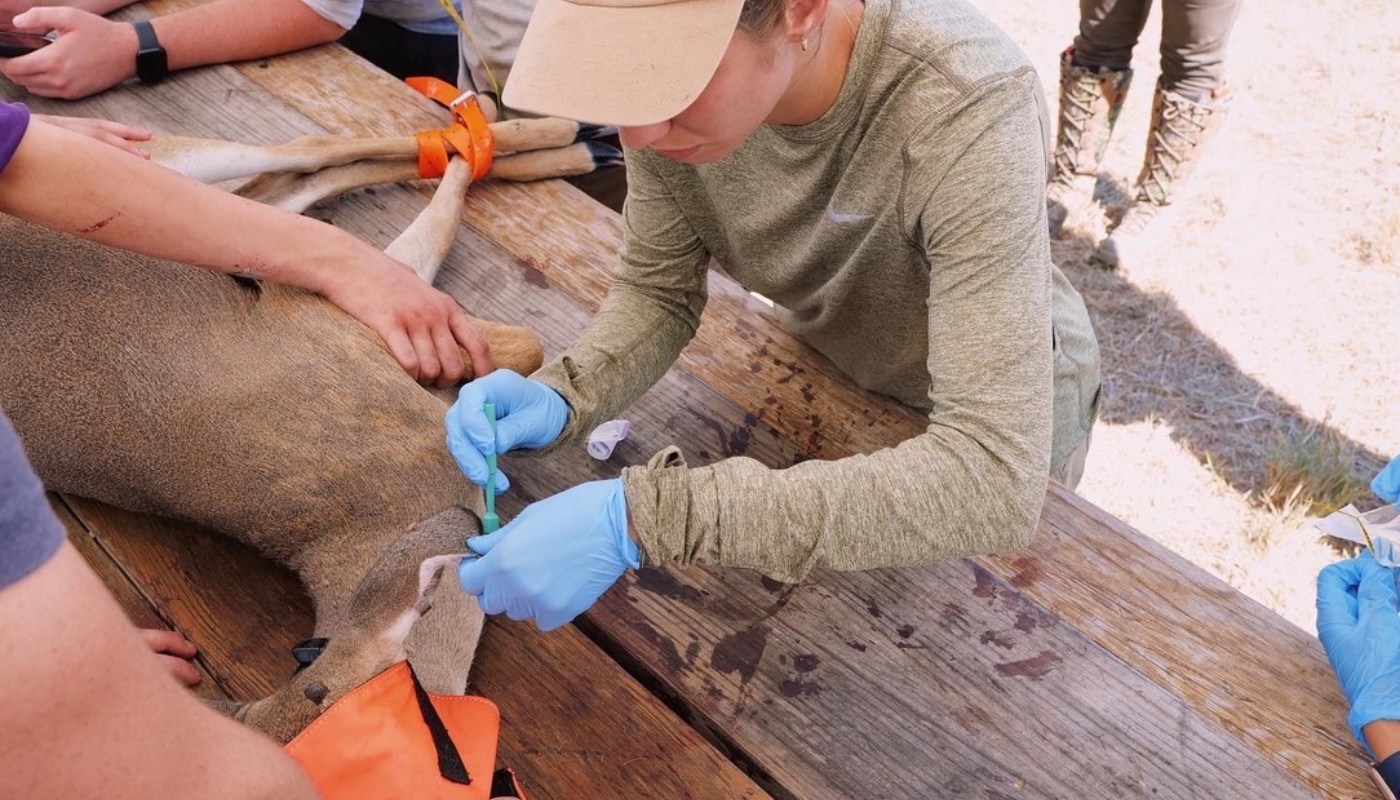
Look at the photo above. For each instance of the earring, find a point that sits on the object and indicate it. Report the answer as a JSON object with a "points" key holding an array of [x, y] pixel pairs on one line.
{"points": [[804, 44]]}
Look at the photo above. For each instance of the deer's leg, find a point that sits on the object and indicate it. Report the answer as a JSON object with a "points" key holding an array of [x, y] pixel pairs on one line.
{"points": [[298, 192], [212, 161]]}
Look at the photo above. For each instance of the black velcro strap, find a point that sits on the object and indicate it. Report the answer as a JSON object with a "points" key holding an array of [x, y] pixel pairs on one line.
{"points": [[306, 652], [450, 764], [504, 784]]}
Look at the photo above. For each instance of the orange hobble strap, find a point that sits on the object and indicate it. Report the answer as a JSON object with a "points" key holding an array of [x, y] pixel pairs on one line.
{"points": [[432, 154], [470, 135]]}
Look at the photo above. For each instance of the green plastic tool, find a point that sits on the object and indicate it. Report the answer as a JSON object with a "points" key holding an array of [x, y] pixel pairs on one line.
{"points": [[491, 522]]}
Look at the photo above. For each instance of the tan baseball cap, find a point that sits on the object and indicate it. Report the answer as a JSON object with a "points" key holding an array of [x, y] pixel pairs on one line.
{"points": [[619, 62]]}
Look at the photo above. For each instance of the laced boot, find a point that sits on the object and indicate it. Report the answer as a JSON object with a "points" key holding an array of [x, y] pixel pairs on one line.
{"points": [[1090, 99], [1180, 129]]}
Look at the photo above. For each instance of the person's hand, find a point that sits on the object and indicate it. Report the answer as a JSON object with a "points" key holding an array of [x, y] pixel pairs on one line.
{"points": [[421, 325], [1386, 484], [556, 559], [1358, 621], [122, 137], [9, 9], [528, 414], [175, 652], [92, 53]]}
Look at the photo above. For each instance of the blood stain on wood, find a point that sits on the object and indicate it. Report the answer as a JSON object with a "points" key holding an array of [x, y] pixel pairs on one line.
{"points": [[533, 274], [997, 639], [986, 586], [905, 631], [796, 687], [740, 652], [1029, 620], [857, 646], [1035, 667], [805, 662], [954, 616], [662, 582], [1028, 571]]}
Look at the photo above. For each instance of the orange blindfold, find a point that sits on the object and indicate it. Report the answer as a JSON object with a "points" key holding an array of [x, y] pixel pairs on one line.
{"points": [[390, 739]]}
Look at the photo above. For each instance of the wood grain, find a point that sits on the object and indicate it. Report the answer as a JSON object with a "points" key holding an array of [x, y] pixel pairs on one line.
{"points": [[1234, 667], [130, 596], [573, 723]]}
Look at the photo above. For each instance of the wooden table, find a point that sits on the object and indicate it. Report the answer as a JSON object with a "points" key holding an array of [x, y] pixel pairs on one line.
{"points": [[1095, 664]]}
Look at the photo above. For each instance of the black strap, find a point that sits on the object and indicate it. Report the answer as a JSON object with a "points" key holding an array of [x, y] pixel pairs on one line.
{"points": [[307, 651], [504, 784], [450, 764]]}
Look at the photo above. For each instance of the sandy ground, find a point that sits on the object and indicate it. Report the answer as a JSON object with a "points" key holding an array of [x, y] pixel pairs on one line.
{"points": [[1271, 304]]}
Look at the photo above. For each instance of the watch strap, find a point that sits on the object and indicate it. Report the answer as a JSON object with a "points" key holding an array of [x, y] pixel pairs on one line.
{"points": [[1386, 776], [150, 56]]}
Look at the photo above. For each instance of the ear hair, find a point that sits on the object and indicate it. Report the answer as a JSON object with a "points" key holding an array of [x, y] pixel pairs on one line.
{"points": [[429, 576]]}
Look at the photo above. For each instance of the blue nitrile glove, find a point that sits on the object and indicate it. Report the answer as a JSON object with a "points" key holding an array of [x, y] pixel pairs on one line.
{"points": [[1386, 485], [1359, 626], [528, 414], [556, 559]]}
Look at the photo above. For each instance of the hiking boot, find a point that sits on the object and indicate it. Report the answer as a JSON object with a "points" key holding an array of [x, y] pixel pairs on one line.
{"points": [[1180, 129], [1090, 99]]}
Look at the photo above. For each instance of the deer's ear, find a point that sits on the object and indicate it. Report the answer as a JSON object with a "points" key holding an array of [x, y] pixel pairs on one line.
{"points": [[430, 576]]}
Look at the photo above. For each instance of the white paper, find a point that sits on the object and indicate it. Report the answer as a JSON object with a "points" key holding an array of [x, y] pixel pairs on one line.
{"points": [[1383, 525]]}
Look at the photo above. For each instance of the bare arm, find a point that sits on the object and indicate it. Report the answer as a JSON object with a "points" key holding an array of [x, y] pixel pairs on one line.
{"points": [[70, 183], [93, 54], [90, 713], [236, 30]]}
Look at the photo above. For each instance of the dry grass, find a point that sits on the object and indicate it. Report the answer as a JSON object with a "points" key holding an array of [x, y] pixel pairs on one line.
{"points": [[1249, 364], [1312, 474]]}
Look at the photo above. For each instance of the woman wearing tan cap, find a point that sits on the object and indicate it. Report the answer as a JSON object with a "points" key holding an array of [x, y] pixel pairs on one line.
{"points": [[876, 169]]}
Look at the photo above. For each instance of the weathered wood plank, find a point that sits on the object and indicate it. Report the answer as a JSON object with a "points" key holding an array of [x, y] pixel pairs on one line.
{"points": [[949, 683], [937, 681], [574, 724], [586, 720], [128, 595], [576, 253], [243, 612]]}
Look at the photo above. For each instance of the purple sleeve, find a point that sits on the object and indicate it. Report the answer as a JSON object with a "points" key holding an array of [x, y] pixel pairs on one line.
{"points": [[14, 121], [29, 532]]}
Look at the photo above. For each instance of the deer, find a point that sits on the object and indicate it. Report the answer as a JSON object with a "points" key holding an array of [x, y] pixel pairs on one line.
{"points": [[265, 413]]}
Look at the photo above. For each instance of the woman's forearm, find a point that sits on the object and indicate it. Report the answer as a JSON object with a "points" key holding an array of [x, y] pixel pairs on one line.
{"points": [[68, 182], [236, 30]]}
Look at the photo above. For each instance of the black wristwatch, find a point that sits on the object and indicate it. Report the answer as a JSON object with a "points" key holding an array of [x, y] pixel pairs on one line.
{"points": [[150, 56]]}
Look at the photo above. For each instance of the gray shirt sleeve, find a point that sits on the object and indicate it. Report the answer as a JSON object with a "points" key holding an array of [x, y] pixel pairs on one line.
{"points": [[29, 532], [344, 13]]}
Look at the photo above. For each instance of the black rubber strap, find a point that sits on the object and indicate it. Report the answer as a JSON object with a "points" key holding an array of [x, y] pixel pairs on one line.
{"points": [[145, 35], [450, 764], [504, 784], [307, 651], [1389, 770]]}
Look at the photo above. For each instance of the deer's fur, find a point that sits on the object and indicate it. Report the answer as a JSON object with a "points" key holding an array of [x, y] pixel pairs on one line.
{"points": [[267, 414]]}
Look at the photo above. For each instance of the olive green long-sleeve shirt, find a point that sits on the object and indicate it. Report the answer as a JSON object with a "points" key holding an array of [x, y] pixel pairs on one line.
{"points": [[903, 235]]}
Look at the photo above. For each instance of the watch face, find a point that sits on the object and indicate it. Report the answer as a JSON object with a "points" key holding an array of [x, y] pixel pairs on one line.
{"points": [[151, 64]]}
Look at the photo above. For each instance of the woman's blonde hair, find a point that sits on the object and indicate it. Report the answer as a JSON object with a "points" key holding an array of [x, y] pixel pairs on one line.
{"points": [[760, 17]]}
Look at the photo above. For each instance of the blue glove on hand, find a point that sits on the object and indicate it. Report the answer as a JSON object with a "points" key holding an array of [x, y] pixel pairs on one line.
{"points": [[1386, 485], [1359, 626], [556, 559], [528, 414]]}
